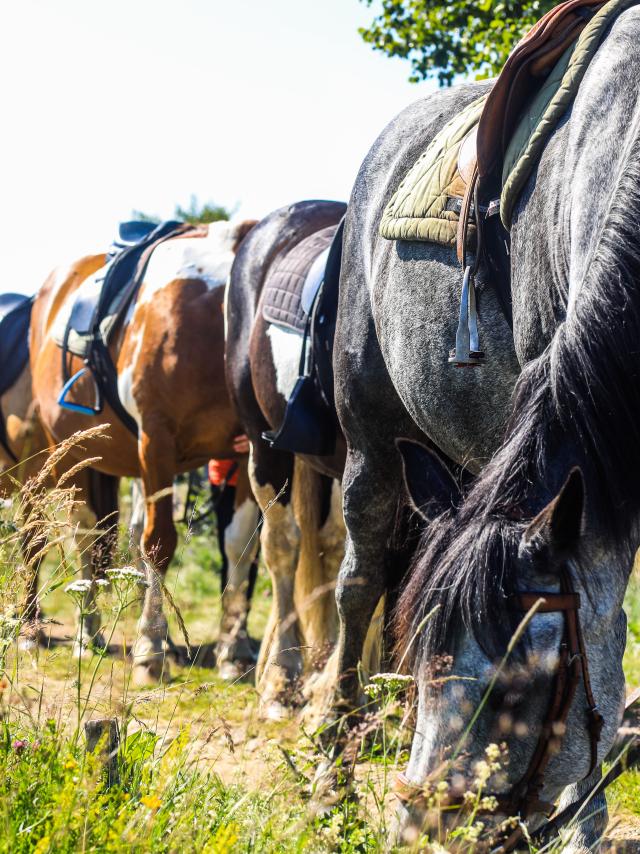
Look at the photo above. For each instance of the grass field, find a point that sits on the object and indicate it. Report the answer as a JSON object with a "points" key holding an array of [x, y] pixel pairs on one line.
{"points": [[197, 770]]}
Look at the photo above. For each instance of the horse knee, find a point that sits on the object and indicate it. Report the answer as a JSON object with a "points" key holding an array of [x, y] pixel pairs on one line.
{"points": [[280, 539]]}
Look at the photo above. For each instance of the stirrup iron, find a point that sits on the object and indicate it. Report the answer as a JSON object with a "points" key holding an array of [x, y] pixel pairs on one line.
{"points": [[467, 352], [96, 409]]}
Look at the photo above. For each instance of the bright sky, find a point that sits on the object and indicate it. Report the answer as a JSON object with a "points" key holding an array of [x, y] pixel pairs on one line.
{"points": [[114, 105]]}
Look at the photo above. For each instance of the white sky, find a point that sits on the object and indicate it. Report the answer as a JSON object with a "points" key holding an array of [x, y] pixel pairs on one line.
{"points": [[113, 105]]}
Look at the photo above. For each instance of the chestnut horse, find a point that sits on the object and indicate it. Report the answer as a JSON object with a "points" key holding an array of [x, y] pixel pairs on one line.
{"points": [[169, 357], [95, 513]]}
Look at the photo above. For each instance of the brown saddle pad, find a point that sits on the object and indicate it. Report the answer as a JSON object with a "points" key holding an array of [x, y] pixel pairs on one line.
{"points": [[281, 298]]}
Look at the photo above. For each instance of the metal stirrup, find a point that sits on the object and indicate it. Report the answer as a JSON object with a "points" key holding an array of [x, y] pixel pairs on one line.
{"points": [[467, 352]]}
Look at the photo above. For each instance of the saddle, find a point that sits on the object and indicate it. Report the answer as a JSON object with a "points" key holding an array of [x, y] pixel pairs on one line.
{"points": [[15, 315], [476, 167], [302, 294], [101, 304]]}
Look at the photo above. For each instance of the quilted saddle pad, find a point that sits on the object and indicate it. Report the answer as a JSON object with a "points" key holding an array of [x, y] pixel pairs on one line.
{"points": [[282, 294]]}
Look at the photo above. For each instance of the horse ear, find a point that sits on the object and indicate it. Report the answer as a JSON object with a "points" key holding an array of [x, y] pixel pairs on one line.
{"points": [[431, 485], [241, 230], [559, 524]]}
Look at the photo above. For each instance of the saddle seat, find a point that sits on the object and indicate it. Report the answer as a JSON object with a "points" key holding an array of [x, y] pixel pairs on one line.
{"points": [[499, 138], [292, 285], [529, 63]]}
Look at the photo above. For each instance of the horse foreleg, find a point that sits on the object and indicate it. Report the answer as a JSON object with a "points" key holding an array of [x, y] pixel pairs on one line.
{"points": [[234, 653], [370, 495], [585, 835]]}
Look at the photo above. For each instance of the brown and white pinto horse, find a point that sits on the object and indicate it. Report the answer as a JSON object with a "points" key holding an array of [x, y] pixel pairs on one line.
{"points": [[169, 356], [303, 531]]}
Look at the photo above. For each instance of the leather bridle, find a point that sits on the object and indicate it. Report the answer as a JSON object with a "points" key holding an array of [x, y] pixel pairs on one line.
{"points": [[524, 798]]}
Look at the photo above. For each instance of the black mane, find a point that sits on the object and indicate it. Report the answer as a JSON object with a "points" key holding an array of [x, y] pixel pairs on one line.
{"points": [[577, 404]]}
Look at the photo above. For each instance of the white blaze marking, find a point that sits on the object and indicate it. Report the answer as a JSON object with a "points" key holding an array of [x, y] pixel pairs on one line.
{"points": [[286, 348]]}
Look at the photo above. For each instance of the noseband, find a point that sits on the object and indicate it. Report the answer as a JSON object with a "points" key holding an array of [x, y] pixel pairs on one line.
{"points": [[524, 799]]}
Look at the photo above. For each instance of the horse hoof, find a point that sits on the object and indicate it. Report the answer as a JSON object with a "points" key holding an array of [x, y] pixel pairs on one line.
{"points": [[231, 671], [88, 647], [274, 710], [31, 639], [325, 788], [151, 673], [81, 650], [27, 644], [236, 669]]}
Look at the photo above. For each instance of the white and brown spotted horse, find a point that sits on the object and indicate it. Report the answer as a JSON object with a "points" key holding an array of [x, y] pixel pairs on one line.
{"points": [[303, 531], [169, 357]]}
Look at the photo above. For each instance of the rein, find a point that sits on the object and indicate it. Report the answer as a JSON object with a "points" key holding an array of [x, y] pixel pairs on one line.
{"points": [[573, 666]]}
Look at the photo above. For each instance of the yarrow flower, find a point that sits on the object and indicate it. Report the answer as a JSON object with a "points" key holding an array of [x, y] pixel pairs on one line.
{"points": [[82, 585], [387, 683], [127, 573]]}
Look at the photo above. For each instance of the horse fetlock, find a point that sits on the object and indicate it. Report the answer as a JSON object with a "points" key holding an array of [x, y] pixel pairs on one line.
{"points": [[150, 664]]}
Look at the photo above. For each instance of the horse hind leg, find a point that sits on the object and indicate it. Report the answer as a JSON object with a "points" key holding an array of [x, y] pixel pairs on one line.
{"points": [[280, 662], [235, 652], [99, 517], [88, 635], [322, 617]]}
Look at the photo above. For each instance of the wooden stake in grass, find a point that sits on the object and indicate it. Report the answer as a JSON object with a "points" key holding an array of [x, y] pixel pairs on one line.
{"points": [[103, 736]]}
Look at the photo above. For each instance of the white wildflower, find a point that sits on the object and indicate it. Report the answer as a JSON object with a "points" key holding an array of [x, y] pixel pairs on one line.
{"points": [[127, 573], [82, 585]]}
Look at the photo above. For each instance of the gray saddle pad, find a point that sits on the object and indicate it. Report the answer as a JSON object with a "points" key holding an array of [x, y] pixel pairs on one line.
{"points": [[299, 270]]}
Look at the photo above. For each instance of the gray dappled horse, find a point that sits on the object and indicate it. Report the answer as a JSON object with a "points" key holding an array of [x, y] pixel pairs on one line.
{"points": [[561, 495]]}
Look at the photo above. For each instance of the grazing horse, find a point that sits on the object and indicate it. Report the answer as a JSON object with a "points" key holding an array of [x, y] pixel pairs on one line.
{"points": [[302, 536], [556, 510], [95, 513], [169, 357]]}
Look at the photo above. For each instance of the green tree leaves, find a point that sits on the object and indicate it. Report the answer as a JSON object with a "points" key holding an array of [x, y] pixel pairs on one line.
{"points": [[193, 213], [458, 37]]}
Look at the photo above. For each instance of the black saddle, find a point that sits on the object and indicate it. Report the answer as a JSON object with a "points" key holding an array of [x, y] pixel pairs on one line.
{"points": [[107, 296], [15, 314], [310, 424]]}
